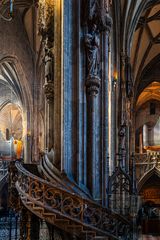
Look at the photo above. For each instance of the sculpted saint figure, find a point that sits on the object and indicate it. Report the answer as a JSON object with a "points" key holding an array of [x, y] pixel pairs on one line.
{"points": [[49, 72], [122, 135], [92, 50]]}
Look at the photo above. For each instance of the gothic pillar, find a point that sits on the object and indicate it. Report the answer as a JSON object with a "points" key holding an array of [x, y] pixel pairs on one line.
{"points": [[46, 29], [49, 93], [92, 87], [105, 105], [99, 25]]}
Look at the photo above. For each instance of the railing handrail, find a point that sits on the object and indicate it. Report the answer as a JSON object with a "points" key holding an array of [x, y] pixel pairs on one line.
{"points": [[85, 200]]}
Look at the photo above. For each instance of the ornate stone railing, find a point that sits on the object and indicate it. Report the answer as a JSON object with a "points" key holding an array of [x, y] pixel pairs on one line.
{"points": [[145, 162], [68, 211]]}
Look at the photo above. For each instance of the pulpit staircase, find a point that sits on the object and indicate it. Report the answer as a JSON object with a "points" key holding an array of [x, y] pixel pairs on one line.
{"points": [[69, 211]]}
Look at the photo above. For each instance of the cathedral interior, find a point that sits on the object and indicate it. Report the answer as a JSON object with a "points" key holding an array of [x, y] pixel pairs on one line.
{"points": [[79, 119]]}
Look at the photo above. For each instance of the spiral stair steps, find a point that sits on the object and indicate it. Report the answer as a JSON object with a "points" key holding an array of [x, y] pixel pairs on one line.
{"points": [[66, 225], [63, 224], [39, 209], [68, 211]]}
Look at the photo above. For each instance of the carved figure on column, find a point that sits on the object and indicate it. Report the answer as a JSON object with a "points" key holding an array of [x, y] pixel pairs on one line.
{"points": [[129, 78], [92, 51], [49, 70], [122, 135]]}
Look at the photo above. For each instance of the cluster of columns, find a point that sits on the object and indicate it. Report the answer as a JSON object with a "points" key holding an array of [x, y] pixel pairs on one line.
{"points": [[97, 53]]}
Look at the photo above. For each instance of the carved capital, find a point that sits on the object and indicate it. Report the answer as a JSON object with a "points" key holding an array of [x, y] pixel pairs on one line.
{"points": [[93, 85], [49, 91]]}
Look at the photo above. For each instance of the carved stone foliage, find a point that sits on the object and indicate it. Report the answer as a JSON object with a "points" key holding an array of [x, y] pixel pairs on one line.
{"points": [[49, 91], [46, 21], [46, 29]]}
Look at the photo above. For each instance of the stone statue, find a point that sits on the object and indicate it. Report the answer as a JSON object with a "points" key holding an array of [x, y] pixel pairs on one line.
{"points": [[129, 78], [122, 135], [92, 50], [49, 71]]}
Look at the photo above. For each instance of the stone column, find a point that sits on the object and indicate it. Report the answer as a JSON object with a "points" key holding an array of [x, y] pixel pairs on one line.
{"points": [[105, 105], [92, 87], [49, 93], [46, 29], [99, 25]]}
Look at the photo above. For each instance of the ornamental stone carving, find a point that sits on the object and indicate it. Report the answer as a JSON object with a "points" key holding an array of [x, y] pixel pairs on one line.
{"points": [[46, 21], [49, 65], [93, 85], [97, 20], [93, 59], [92, 51], [122, 135], [49, 91], [96, 11]]}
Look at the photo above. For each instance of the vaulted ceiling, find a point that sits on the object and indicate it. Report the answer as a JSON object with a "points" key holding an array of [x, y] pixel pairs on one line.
{"points": [[11, 119], [151, 92], [10, 89], [146, 40], [139, 22]]}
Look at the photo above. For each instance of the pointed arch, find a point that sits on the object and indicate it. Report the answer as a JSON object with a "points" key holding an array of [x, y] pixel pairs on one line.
{"points": [[146, 177], [14, 78]]}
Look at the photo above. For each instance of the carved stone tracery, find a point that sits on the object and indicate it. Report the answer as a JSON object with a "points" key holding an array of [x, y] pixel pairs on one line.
{"points": [[57, 205]]}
